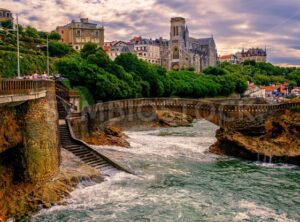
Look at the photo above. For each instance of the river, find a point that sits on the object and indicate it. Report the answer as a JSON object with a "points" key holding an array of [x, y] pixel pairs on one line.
{"points": [[179, 181]]}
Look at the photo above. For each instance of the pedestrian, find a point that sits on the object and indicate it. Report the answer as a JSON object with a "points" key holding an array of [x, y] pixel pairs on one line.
{"points": [[44, 75], [35, 75]]}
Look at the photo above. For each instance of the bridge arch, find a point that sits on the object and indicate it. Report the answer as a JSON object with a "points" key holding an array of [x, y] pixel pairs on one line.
{"points": [[223, 114]]}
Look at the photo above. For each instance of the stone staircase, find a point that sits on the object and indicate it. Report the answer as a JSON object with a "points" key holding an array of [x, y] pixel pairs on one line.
{"points": [[85, 153]]}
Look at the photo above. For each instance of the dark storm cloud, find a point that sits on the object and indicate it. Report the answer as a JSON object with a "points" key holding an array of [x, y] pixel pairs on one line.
{"points": [[33, 18]]}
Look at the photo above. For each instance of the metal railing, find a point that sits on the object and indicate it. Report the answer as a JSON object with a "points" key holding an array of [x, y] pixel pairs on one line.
{"points": [[20, 86]]}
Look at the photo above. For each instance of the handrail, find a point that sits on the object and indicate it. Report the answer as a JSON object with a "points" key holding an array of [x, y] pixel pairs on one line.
{"points": [[22, 86], [112, 162]]}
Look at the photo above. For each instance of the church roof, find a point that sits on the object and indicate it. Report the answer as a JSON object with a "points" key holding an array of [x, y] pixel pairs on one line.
{"points": [[206, 41]]}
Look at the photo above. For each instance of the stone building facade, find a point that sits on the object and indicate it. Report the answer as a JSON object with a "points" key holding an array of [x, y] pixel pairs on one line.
{"points": [[76, 34], [182, 51], [116, 48], [231, 58], [254, 54], [5, 15], [146, 49]]}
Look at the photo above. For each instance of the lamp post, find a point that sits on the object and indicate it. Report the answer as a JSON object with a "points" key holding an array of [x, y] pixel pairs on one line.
{"points": [[18, 48], [47, 46], [48, 54]]}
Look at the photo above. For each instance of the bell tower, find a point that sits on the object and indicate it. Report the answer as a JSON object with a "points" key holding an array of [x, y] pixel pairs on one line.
{"points": [[178, 42]]}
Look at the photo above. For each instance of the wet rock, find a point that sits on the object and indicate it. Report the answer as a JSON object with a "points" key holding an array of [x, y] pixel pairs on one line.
{"points": [[21, 200], [280, 140], [109, 136], [173, 119]]}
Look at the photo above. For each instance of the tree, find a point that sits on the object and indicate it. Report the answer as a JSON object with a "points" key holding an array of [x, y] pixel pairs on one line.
{"points": [[58, 49], [54, 36], [43, 35], [8, 24], [100, 58], [249, 62], [31, 32], [294, 76], [88, 49], [217, 71]]}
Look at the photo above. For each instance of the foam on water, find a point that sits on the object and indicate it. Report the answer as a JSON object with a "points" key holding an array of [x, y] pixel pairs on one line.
{"points": [[179, 182]]}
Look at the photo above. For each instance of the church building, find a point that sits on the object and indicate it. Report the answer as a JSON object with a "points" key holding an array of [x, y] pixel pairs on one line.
{"points": [[186, 52]]}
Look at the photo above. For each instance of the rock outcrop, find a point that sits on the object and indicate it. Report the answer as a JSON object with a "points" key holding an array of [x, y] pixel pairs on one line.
{"points": [[109, 136], [279, 140], [173, 119], [19, 201]]}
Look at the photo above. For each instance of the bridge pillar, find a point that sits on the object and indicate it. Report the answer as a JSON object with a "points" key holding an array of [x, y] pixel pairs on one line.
{"points": [[39, 154]]}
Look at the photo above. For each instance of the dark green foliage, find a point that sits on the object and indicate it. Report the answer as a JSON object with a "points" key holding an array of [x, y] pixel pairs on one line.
{"points": [[58, 49], [43, 35], [249, 62], [294, 76], [262, 73], [54, 36], [31, 32], [217, 71], [28, 64], [86, 98], [130, 77], [88, 49], [7, 24]]}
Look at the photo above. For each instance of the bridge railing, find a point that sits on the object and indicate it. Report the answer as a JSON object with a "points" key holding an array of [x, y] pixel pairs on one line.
{"points": [[196, 104], [10, 87]]}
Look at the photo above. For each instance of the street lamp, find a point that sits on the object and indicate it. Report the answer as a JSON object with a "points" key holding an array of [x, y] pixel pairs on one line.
{"points": [[48, 54], [47, 46], [18, 48]]}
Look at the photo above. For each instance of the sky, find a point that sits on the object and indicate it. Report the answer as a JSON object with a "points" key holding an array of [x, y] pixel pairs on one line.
{"points": [[235, 24]]}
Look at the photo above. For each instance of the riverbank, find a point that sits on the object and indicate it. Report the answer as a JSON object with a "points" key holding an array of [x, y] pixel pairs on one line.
{"points": [[19, 201]]}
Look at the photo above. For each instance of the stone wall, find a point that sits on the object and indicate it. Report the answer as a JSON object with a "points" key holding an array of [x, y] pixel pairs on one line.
{"points": [[29, 147]]}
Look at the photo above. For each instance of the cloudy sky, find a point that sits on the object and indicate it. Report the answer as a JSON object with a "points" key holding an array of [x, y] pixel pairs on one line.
{"points": [[233, 23]]}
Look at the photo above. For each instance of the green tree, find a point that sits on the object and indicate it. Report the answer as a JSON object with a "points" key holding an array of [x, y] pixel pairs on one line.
{"points": [[8, 24], [54, 36], [58, 49], [217, 71], [88, 49], [31, 32]]}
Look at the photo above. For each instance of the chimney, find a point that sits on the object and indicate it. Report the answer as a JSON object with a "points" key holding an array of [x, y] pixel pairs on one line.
{"points": [[84, 20]]}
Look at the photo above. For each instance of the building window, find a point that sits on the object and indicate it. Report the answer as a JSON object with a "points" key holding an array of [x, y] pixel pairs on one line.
{"points": [[62, 31], [1, 14], [76, 47], [7, 15], [78, 32], [97, 33], [175, 53]]}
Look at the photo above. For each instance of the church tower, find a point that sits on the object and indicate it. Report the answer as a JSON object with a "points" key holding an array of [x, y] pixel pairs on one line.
{"points": [[179, 38]]}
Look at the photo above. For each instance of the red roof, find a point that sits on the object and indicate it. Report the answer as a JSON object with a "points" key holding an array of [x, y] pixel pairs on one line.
{"points": [[225, 57]]}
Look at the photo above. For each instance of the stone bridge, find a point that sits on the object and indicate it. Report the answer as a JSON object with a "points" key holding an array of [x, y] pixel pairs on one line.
{"points": [[16, 92], [226, 114]]}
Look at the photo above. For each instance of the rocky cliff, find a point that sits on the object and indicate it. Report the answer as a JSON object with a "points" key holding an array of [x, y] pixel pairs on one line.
{"points": [[277, 141]]}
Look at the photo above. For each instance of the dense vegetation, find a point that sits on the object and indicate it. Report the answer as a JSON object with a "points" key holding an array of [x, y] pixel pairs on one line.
{"points": [[96, 77], [260, 73], [130, 77], [32, 49]]}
